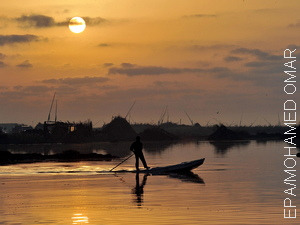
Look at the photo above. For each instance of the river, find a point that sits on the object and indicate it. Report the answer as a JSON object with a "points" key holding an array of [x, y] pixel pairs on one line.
{"points": [[239, 183]]}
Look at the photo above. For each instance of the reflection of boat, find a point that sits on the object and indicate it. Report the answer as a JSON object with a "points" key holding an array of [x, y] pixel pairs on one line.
{"points": [[178, 168], [188, 177]]}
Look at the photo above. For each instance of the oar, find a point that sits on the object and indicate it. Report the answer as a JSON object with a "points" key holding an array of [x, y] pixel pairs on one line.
{"points": [[121, 162]]}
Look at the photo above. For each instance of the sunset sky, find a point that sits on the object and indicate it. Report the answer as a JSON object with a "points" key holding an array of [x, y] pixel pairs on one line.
{"points": [[218, 60]]}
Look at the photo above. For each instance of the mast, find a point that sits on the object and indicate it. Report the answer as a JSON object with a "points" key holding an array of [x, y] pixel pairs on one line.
{"points": [[51, 107], [253, 122], [55, 111], [279, 122], [162, 117], [189, 118], [241, 119], [267, 121], [130, 110]]}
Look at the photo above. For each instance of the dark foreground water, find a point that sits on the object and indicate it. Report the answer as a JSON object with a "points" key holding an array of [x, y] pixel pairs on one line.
{"points": [[239, 183]]}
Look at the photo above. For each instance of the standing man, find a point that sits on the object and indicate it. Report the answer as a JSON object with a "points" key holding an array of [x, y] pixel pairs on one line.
{"points": [[137, 148]]}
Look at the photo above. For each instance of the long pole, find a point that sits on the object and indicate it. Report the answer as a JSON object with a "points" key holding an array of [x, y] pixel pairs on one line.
{"points": [[121, 162]]}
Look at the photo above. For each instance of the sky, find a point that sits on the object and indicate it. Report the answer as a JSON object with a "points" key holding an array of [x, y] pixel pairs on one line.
{"points": [[217, 60]]}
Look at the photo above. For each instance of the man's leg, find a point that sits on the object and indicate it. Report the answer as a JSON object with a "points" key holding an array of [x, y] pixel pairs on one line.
{"points": [[141, 155], [136, 162]]}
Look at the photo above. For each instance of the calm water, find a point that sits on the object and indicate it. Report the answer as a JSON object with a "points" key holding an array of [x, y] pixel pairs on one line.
{"points": [[239, 183]]}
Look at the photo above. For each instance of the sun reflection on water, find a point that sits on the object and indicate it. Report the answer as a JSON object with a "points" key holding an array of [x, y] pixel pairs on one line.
{"points": [[78, 218]]}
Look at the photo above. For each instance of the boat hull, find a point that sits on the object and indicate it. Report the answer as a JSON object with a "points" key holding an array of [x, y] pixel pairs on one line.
{"points": [[178, 168]]}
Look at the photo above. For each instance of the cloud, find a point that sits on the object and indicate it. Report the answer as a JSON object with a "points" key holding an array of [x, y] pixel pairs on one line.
{"points": [[76, 81], [264, 71], [3, 88], [14, 38], [43, 21], [127, 65], [104, 45], [232, 59], [210, 47], [25, 64], [257, 53], [218, 70], [19, 92], [200, 16], [2, 64], [261, 73], [36, 89], [167, 84], [76, 22], [151, 92], [266, 10], [66, 90], [94, 21], [107, 64], [89, 21], [65, 87], [294, 25], [108, 87], [256, 64], [293, 46], [135, 70], [39, 21], [2, 56]]}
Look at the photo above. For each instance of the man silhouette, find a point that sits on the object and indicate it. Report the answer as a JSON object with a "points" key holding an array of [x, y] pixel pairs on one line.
{"points": [[137, 148]]}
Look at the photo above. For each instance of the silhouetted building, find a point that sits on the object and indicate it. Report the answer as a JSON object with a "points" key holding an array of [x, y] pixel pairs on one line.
{"points": [[68, 132]]}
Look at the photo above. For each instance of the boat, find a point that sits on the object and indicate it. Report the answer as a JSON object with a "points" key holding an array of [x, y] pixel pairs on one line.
{"points": [[183, 167]]}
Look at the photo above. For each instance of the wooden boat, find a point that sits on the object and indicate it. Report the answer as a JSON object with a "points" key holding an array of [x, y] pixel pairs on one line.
{"points": [[183, 167]]}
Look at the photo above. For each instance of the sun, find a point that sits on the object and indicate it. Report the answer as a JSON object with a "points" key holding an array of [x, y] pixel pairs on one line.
{"points": [[77, 25]]}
